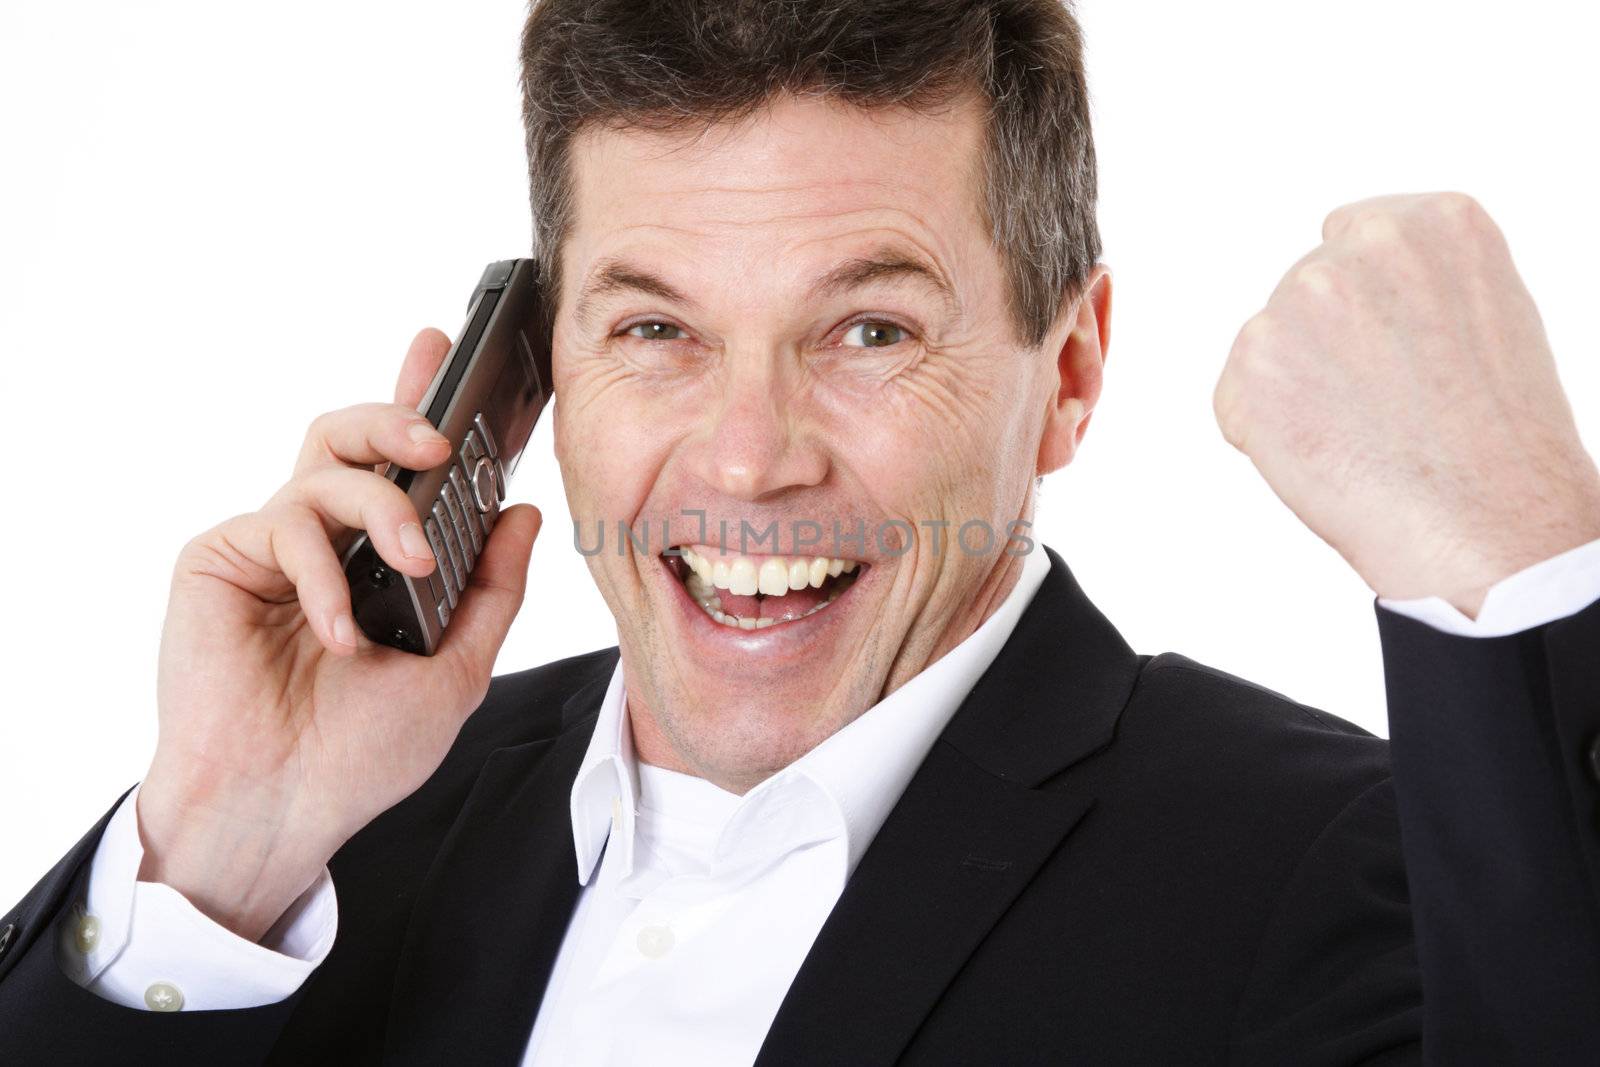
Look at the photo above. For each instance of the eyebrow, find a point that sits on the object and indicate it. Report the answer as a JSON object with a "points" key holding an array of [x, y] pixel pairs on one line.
{"points": [[885, 261], [616, 275]]}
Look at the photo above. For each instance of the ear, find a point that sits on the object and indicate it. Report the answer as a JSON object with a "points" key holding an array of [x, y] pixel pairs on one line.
{"points": [[1080, 359]]}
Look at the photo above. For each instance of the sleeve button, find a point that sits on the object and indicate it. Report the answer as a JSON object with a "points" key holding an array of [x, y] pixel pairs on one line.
{"points": [[163, 996]]}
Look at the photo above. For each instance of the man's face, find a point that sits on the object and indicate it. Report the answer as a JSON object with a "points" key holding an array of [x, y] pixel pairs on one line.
{"points": [[794, 320]]}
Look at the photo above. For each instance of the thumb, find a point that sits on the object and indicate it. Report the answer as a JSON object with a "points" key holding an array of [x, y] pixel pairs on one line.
{"points": [[494, 592]]}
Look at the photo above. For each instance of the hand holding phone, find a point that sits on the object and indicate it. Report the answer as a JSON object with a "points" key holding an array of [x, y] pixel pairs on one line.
{"points": [[282, 730], [485, 399]]}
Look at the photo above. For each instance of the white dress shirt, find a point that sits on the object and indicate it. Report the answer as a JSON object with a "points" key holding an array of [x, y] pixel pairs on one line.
{"points": [[688, 935]]}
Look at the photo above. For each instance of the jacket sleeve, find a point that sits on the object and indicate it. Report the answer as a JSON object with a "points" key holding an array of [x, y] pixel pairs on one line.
{"points": [[1495, 743], [45, 1017]]}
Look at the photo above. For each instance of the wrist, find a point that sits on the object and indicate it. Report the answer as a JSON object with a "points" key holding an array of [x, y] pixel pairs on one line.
{"points": [[1536, 539], [236, 858]]}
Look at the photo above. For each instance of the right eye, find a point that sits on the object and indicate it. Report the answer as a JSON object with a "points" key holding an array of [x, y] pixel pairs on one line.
{"points": [[655, 331]]}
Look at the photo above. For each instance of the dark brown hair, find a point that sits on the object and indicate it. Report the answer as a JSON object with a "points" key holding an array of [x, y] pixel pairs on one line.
{"points": [[668, 64]]}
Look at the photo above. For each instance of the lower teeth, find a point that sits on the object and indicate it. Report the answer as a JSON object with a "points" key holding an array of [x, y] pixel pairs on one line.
{"points": [[712, 605]]}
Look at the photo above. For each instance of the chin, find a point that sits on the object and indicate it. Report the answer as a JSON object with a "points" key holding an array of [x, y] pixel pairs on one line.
{"points": [[752, 674]]}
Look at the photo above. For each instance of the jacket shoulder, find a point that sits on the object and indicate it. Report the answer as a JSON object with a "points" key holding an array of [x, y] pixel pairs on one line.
{"points": [[527, 705], [1194, 732]]}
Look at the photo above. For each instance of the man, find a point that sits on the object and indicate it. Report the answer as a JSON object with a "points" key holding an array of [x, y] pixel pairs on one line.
{"points": [[836, 264]]}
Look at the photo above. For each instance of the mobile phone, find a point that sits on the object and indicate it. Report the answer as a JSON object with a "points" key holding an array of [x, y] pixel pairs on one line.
{"points": [[485, 399]]}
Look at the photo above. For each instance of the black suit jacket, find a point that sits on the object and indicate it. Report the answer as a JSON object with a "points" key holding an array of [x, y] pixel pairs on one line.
{"points": [[1106, 858]]}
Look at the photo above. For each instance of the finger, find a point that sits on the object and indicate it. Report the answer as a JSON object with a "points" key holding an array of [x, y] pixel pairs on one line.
{"points": [[494, 592], [422, 362], [299, 547], [362, 500], [365, 434]]}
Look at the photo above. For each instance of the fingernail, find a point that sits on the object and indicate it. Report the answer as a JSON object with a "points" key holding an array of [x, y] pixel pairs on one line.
{"points": [[344, 630], [413, 542], [423, 433]]}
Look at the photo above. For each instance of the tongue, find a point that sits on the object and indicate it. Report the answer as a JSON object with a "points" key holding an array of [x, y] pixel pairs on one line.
{"points": [[793, 604]]}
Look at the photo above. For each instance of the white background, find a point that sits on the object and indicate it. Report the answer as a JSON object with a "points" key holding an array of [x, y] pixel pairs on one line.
{"points": [[218, 220]]}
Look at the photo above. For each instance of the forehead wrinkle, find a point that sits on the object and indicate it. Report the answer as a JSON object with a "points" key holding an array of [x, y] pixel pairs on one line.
{"points": [[739, 209], [890, 252]]}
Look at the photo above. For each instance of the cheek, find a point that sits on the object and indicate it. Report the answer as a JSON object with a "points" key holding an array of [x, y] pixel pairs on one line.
{"points": [[613, 437], [933, 443]]}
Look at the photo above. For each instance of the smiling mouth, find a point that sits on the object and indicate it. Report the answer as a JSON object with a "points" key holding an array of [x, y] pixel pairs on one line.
{"points": [[755, 592]]}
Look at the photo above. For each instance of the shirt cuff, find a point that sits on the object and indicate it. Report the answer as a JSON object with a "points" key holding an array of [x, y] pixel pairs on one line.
{"points": [[144, 945], [1560, 586]]}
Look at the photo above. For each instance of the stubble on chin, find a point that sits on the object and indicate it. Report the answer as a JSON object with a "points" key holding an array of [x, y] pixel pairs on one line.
{"points": [[739, 747]]}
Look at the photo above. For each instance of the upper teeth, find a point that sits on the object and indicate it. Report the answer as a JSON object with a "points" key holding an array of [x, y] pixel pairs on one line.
{"points": [[771, 575]]}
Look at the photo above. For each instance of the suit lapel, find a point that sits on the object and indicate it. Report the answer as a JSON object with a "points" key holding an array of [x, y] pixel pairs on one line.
{"points": [[493, 911], [956, 851], [969, 833]]}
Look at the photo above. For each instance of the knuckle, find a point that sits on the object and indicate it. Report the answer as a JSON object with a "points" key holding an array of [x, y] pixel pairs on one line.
{"points": [[1455, 207], [197, 547], [283, 520], [314, 492], [1254, 341], [388, 495], [1334, 221], [1222, 400], [321, 427], [1227, 407], [1315, 278], [1462, 218], [1378, 229]]}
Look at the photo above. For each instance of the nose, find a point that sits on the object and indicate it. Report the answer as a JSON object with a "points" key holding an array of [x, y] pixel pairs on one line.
{"points": [[755, 445]]}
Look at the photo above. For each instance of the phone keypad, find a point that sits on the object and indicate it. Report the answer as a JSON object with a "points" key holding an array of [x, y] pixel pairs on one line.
{"points": [[444, 591], [458, 481], [463, 516], [458, 521], [455, 580]]}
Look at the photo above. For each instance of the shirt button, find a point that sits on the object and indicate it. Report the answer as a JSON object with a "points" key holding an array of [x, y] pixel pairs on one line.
{"points": [[163, 996], [86, 934], [654, 941]]}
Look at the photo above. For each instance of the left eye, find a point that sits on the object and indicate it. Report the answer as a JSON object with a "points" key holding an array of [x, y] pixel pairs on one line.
{"points": [[874, 335], [655, 331]]}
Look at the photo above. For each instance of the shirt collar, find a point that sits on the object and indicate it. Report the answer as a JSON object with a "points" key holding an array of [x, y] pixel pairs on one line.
{"points": [[605, 792], [861, 770]]}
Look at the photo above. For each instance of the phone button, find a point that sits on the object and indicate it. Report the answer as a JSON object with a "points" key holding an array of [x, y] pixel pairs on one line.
{"points": [[454, 580], [483, 431], [444, 614], [458, 519], [439, 578], [459, 480], [485, 493], [470, 449]]}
